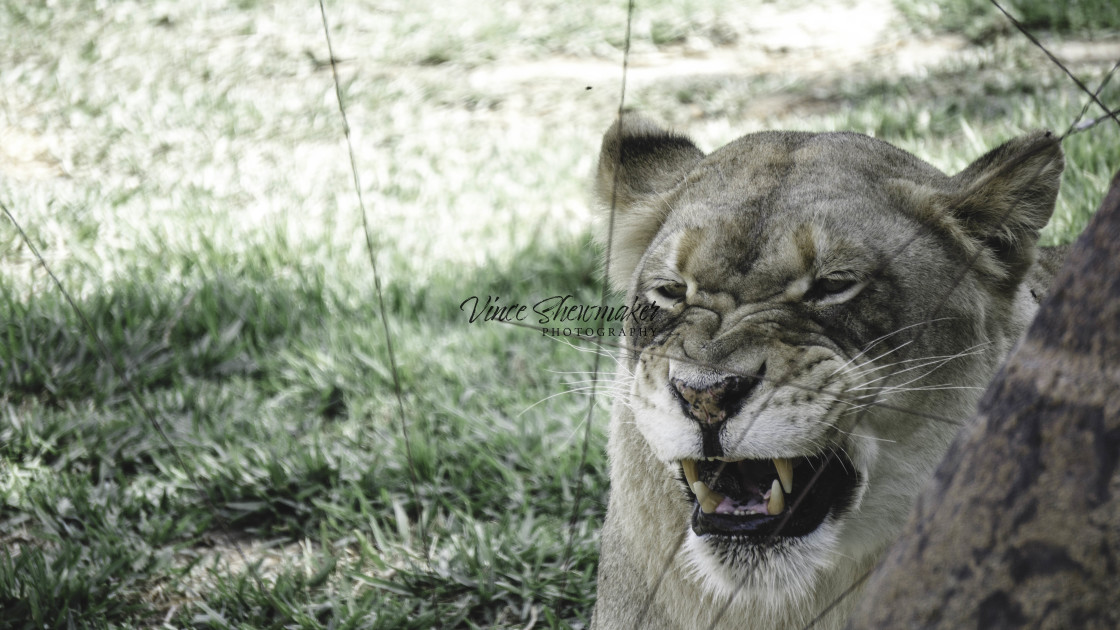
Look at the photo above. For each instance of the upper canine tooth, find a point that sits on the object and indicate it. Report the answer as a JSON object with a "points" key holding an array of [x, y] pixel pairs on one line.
{"points": [[777, 501], [690, 473], [785, 473]]}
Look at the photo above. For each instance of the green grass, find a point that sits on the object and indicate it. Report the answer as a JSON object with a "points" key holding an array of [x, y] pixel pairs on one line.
{"points": [[181, 169], [979, 19], [278, 399]]}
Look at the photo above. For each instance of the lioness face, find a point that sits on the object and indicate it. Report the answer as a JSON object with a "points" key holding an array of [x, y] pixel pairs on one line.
{"points": [[830, 308]]}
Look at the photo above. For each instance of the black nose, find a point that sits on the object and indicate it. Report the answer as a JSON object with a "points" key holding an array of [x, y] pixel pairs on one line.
{"points": [[715, 403]]}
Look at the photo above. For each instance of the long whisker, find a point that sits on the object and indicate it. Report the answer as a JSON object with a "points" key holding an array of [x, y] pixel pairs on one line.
{"points": [[868, 362], [936, 360], [786, 382], [577, 390], [876, 341]]}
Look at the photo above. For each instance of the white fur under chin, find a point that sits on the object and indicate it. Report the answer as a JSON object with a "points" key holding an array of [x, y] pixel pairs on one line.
{"points": [[781, 577]]}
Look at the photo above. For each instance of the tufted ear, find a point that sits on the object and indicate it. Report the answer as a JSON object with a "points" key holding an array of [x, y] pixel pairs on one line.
{"points": [[638, 164], [1005, 198]]}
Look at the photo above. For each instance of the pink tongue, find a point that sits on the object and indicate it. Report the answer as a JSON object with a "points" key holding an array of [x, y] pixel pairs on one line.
{"points": [[730, 506]]}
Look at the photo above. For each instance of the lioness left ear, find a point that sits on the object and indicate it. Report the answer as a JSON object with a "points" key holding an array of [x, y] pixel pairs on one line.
{"points": [[638, 164], [1005, 198]]}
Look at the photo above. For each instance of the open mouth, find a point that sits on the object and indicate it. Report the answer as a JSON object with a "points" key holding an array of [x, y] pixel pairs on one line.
{"points": [[768, 498]]}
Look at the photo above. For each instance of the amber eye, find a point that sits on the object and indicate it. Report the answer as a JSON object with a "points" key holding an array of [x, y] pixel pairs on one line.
{"points": [[672, 291]]}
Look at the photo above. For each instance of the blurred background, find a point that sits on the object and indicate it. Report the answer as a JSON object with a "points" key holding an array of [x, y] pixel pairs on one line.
{"points": [[225, 448]]}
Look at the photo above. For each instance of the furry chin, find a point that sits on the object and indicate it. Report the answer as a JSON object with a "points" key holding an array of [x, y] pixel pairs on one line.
{"points": [[781, 574]]}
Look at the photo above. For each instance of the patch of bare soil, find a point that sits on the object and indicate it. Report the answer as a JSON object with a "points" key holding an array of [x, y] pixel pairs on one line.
{"points": [[26, 157], [812, 42]]}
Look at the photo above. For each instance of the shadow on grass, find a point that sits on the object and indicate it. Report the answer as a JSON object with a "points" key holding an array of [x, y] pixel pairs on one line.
{"points": [[274, 389], [160, 333]]}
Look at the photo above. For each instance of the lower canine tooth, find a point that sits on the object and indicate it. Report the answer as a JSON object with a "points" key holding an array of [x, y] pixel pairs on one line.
{"points": [[777, 501], [709, 499]]}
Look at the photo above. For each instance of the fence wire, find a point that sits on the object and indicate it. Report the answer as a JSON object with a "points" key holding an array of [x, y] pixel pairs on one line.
{"points": [[1078, 125], [1075, 127]]}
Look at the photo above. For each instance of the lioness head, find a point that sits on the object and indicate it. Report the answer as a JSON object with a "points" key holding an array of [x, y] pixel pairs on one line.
{"points": [[830, 308]]}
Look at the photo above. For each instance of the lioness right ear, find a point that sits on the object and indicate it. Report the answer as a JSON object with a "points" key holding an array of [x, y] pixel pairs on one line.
{"points": [[1005, 198], [639, 162]]}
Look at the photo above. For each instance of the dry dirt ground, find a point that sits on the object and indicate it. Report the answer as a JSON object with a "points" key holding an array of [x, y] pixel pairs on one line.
{"points": [[813, 42]]}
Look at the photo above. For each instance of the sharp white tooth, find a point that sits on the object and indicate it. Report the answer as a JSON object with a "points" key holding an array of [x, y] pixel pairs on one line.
{"points": [[709, 499], [690, 473], [785, 473], [777, 501]]}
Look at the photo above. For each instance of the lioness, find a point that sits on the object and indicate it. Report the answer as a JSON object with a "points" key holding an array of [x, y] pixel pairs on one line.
{"points": [[830, 309]]}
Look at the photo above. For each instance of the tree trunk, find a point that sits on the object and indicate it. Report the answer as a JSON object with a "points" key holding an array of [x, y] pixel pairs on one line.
{"points": [[1020, 526]]}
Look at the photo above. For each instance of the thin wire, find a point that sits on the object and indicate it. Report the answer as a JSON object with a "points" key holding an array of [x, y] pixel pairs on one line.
{"points": [[836, 602], [121, 372], [648, 603], [377, 287], [964, 271], [783, 381], [1034, 40], [1073, 128], [1084, 110], [940, 304], [578, 499], [1089, 124]]}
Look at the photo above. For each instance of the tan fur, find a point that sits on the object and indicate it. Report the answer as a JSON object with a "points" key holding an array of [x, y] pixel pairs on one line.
{"points": [[836, 264]]}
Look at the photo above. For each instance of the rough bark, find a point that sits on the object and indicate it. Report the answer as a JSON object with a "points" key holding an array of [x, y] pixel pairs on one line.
{"points": [[1020, 526]]}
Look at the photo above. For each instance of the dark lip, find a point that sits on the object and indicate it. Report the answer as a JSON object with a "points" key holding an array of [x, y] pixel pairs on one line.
{"points": [[828, 487]]}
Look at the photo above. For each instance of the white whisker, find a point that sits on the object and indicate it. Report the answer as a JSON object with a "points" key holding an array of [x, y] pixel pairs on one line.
{"points": [[876, 341]]}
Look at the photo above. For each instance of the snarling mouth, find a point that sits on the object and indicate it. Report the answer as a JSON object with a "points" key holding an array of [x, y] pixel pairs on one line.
{"points": [[768, 498]]}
